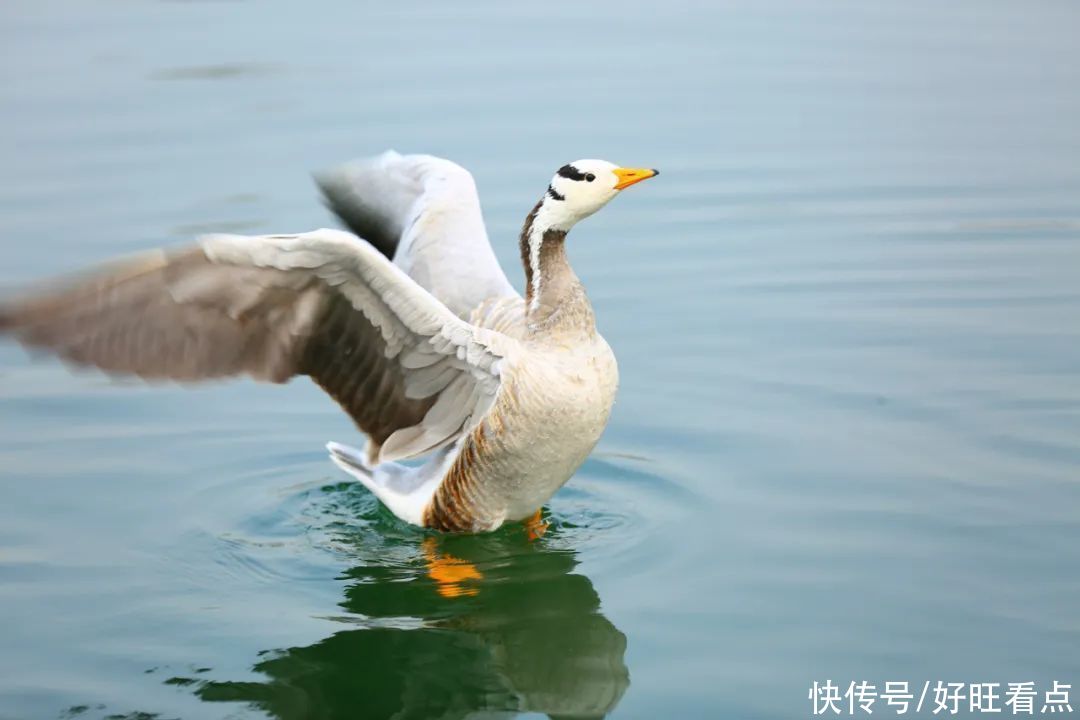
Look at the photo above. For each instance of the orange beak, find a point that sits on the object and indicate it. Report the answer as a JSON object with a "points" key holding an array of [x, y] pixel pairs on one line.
{"points": [[629, 176]]}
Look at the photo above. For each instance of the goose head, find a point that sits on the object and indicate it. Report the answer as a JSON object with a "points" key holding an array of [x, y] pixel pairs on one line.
{"points": [[576, 191], [582, 187]]}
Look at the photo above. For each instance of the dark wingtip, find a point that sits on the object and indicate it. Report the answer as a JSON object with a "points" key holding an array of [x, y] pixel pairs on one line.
{"points": [[334, 187]]}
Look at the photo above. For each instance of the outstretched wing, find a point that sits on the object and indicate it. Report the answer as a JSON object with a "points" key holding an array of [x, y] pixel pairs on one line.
{"points": [[423, 212], [410, 373]]}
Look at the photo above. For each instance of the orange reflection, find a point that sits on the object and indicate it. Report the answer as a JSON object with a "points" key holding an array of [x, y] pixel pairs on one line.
{"points": [[455, 577], [449, 572]]}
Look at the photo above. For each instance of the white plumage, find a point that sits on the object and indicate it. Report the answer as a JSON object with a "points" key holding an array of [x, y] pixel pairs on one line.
{"points": [[410, 324]]}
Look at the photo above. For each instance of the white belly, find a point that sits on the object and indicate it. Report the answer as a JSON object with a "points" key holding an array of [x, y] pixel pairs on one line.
{"points": [[555, 411]]}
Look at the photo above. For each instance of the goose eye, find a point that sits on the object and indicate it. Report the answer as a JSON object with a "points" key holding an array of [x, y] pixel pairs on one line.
{"points": [[589, 177]]}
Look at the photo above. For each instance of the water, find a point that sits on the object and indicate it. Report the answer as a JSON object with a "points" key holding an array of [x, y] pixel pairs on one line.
{"points": [[848, 429]]}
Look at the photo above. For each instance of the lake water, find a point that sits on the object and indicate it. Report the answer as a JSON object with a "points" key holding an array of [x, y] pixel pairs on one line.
{"points": [[847, 315]]}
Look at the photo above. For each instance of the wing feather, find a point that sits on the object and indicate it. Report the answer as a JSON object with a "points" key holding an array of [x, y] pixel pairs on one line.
{"points": [[424, 213], [325, 304]]}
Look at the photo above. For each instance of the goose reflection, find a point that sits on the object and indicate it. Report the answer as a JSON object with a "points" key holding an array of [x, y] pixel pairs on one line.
{"points": [[480, 626]]}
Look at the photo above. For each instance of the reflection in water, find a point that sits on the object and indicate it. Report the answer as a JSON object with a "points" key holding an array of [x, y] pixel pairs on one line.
{"points": [[490, 624], [451, 574]]}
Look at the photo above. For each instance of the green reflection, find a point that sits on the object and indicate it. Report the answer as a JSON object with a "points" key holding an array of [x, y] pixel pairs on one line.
{"points": [[484, 625]]}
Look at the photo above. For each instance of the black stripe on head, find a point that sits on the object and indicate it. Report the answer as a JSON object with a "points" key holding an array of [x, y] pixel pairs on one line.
{"points": [[571, 172], [554, 194]]}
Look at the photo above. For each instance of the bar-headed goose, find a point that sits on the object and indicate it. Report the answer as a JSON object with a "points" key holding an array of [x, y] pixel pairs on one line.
{"points": [[410, 324]]}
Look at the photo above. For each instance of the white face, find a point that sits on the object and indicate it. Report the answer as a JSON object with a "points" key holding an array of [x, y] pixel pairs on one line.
{"points": [[584, 186]]}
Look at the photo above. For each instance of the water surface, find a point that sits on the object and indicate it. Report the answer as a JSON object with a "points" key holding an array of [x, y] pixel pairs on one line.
{"points": [[848, 430]]}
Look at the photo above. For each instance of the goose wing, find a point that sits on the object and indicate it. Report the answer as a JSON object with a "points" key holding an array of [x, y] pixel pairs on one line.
{"points": [[324, 304], [424, 213]]}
